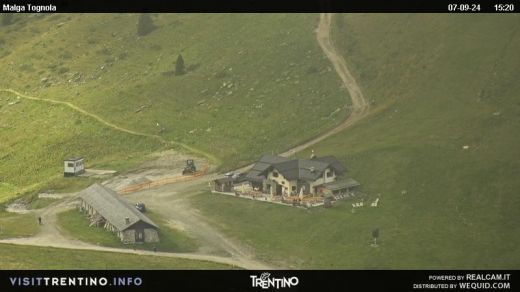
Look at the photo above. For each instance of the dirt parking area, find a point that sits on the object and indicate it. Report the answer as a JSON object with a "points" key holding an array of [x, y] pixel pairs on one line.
{"points": [[163, 166]]}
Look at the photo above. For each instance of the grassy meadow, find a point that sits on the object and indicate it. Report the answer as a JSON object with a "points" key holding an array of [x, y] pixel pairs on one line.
{"points": [[437, 83], [37, 137], [17, 225], [31, 257]]}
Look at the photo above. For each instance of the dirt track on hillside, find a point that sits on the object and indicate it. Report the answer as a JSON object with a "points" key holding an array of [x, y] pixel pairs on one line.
{"points": [[109, 124], [360, 106]]}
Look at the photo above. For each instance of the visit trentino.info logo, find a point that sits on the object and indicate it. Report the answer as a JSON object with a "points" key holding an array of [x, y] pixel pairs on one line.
{"points": [[265, 281]]}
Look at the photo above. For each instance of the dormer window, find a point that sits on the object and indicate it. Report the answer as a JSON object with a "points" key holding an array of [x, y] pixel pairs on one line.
{"points": [[275, 174], [329, 173]]}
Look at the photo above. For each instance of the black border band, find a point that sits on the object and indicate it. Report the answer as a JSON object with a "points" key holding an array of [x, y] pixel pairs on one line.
{"points": [[353, 6]]}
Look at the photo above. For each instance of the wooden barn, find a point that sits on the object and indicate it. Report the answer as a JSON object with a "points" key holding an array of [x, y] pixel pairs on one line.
{"points": [[105, 208], [74, 166]]}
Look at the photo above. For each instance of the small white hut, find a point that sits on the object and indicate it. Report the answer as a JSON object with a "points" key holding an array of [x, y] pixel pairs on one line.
{"points": [[74, 166]]}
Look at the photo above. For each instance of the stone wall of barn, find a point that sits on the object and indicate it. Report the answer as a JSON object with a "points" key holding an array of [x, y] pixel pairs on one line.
{"points": [[151, 235], [128, 236]]}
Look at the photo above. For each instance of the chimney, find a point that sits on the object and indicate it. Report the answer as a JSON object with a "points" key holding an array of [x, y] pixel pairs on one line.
{"points": [[127, 220], [312, 154]]}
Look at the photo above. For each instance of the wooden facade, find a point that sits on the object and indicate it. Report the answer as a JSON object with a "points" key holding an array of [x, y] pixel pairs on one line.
{"points": [[138, 232], [106, 209]]}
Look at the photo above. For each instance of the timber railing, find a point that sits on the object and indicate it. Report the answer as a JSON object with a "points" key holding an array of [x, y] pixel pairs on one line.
{"points": [[161, 182]]}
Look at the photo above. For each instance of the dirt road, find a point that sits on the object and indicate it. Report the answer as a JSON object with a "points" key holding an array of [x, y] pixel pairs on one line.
{"points": [[49, 235], [360, 106], [173, 202]]}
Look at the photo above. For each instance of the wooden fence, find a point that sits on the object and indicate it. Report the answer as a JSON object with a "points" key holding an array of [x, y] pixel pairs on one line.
{"points": [[162, 182]]}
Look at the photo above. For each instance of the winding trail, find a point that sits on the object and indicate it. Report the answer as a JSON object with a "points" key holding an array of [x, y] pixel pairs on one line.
{"points": [[360, 106], [112, 125], [174, 196]]}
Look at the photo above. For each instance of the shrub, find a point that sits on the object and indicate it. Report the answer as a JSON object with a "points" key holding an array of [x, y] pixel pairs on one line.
{"points": [[7, 19], [123, 55], [179, 65], [221, 74], [63, 70], [145, 24], [66, 55]]}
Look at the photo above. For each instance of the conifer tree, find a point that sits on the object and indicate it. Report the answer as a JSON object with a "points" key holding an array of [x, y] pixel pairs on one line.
{"points": [[145, 24], [179, 65]]}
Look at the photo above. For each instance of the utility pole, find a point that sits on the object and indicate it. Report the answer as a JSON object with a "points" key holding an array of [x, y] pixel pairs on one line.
{"points": [[375, 236]]}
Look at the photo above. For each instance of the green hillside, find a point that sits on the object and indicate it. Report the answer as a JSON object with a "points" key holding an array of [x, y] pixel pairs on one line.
{"points": [[37, 137], [254, 83], [437, 83], [440, 146]]}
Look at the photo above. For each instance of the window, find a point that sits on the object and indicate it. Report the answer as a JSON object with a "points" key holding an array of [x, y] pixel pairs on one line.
{"points": [[329, 173], [293, 188], [70, 164], [275, 174], [283, 182]]}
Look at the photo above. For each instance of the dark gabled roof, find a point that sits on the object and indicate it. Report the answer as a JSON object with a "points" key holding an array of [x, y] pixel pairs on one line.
{"points": [[294, 169], [255, 176], [342, 184], [289, 169], [301, 169], [112, 207], [333, 162], [224, 180], [241, 178], [255, 173], [273, 159]]}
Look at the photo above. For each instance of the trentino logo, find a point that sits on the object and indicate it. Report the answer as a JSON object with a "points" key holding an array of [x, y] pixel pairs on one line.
{"points": [[265, 281]]}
